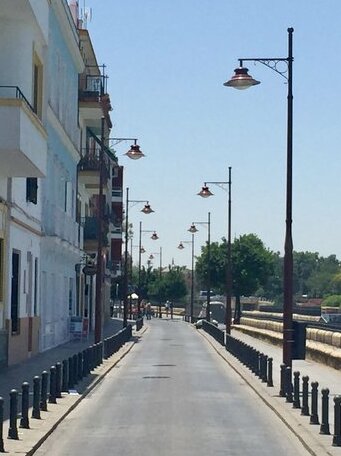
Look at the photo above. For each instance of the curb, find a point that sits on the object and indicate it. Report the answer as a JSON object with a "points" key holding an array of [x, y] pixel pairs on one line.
{"points": [[313, 446], [127, 347]]}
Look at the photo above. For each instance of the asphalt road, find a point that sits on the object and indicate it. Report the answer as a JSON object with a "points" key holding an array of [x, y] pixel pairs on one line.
{"points": [[172, 395]]}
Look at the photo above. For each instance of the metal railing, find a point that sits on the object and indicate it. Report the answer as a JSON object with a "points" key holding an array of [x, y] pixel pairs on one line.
{"points": [[13, 92]]}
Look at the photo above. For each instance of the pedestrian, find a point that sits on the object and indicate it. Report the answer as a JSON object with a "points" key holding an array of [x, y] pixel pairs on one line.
{"points": [[167, 308], [148, 310]]}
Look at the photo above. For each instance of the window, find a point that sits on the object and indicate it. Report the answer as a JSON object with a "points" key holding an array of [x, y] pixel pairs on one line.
{"points": [[35, 293], [37, 86], [15, 285], [32, 190]]}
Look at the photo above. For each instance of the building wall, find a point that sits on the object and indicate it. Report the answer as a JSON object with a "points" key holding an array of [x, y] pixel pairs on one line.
{"points": [[60, 246]]}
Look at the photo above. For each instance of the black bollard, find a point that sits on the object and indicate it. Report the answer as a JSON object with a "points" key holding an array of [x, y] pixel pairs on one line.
{"points": [[13, 412], [2, 449], [58, 380], [337, 421], [324, 428], [80, 366], [288, 385], [24, 421], [70, 369], [305, 387], [65, 381], [75, 369], [314, 419], [270, 378], [36, 398], [43, 392], [85, 363], [52, 395], [282, 381], [263, 370], [296, 402]]}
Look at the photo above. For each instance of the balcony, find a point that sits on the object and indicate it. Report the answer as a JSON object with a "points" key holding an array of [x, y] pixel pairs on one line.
{"points": [[23, 146], [89, 169], [94, 102], [90, 225]]}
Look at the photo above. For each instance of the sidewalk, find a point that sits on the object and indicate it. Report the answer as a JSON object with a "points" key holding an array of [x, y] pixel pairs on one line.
{"points": [[326, 376], [31, 439], [12, 377]]}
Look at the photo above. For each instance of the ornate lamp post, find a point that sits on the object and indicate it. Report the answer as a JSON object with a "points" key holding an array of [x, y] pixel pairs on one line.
{"points": [[151, 256], [193, 229], [181, 247], [205, 193], [154, 237], [242, 80], [146, 210]]}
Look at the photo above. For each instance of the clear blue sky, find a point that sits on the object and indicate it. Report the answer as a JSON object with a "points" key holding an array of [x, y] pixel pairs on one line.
{"points": [[167, 61]]}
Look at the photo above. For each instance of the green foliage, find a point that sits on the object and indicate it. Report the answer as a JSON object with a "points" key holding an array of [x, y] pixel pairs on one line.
{"points": [[169, 285], [332, 301]]}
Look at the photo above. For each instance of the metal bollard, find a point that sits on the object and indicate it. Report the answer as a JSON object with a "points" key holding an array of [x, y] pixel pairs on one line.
{"points": [[324, 428], [263, 363], [70, 369], [282, 381], [85, 362], [75, 369], [58, 380], [24, 421], [314, 419], [288, 385], [2, 449], [43, 392], [65, 381], [36, 397], [305, 387], [296, 402], [270, 379], [337, 421], [13, 412], [80, 366], [52, 395]]}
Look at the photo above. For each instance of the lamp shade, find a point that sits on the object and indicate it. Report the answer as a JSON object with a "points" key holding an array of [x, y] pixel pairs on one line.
{"points": [[181, 246], [241, 79], [154, 236], [142, 250], [134, 152], [147, 209], [205, 192], [192, 228], [151, 256]]}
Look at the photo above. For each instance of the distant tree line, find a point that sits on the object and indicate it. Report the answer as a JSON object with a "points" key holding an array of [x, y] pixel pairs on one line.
{"points": [[256, 271]]}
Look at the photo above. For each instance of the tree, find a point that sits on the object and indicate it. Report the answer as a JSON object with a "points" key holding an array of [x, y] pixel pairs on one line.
{"points": [[217, 265], [170, 286], [252, 264]]}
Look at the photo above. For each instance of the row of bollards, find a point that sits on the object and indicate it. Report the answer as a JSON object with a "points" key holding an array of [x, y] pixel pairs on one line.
{"points": [[291, 391], [214, 331], [259, 363], [62, 377]]}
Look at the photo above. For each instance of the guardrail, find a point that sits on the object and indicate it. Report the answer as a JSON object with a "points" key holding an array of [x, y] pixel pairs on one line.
{"points": [[63, 377]]}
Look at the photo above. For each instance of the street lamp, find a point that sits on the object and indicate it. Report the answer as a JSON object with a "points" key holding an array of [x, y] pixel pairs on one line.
{"points": [[134, 152], [151, 257], [146, 210], [181, 247], [206, 193], [154, 237], [193, 229], [242, 80]]}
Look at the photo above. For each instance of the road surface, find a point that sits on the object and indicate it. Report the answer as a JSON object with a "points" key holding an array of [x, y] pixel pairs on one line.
{"points": [[172, 395]]}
